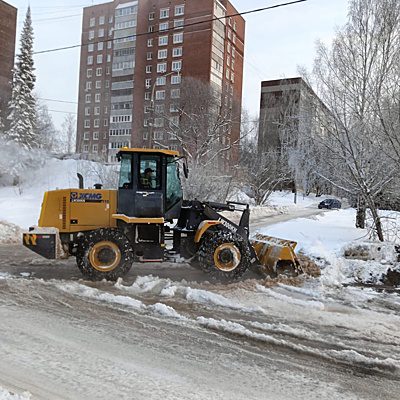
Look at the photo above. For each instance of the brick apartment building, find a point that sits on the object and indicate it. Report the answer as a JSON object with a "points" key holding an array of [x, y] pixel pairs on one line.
{"points": [[287, 106], [8, 24], [133, 59]]}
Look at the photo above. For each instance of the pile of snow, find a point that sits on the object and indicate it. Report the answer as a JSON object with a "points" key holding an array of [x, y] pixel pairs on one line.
{"points": [[6, 395], [9, 233], [327, 237]]}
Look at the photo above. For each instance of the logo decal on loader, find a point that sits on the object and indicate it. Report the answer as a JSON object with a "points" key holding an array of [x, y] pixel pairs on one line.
{"points": [[30, 240], [86, 197]]}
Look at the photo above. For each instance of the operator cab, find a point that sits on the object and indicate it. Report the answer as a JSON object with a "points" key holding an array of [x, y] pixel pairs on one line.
{"points": [[149, 184]]}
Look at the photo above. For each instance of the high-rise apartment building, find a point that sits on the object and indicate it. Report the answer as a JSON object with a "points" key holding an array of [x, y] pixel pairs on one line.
{"points": [[8, 23], [134, 57], [288, 106]]}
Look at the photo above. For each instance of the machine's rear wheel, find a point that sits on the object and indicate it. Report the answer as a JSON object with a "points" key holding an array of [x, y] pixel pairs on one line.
{"points": [[104, 254], [224, 254]]}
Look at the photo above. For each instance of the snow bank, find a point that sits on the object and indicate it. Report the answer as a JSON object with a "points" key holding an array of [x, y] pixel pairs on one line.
{"points": [[9, 233], [6, 395]]}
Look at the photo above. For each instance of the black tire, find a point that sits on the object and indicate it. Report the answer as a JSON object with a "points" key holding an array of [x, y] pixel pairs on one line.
{"points": [[104, 254], [210, 249]]}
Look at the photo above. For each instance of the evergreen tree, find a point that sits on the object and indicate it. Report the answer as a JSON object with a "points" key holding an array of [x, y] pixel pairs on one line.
{"points": [[22, 107]]}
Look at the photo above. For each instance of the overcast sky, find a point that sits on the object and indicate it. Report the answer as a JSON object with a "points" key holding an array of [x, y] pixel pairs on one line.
{"points": [[277, 41]]}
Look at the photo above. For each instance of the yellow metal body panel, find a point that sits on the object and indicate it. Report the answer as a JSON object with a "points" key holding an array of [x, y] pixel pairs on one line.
{"points": [[203, 228], [137, 150], [76, 210], [134, 220]]}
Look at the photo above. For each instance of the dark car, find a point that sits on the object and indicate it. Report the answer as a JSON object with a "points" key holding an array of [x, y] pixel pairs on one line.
{"points": [[330, 204]]}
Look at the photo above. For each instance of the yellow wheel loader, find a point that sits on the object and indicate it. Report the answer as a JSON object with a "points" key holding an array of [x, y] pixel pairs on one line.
{"points": [[147, 220]]}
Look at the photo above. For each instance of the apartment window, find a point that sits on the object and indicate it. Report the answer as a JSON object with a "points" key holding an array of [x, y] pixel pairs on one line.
{"points": [[88, 85], [233, 53], [150, 29], [178, 23], [100, 46], [164, 13], [109, 44], [174, 121], [149, 42], [229, 48], [96, 123], [88, 98], [228, 61], [97, 97], [234, 26], [176, 79], [90, 60], [95, 148], [89, 73], [162, 54], [146, 123], [100, 59], [86, 148], [87, 123], [173, 108], [177, 52], [108, 70], [148, 69], [175, 93], [158, 122], [145, 135], [110, 19], [97, 111], [176, 65], [234, 38], [229, 34], [91, 35], [163, 26], [110, 32], [147, 83], [86, 136], [101, 32], [90, 47], [104, 148], [99, 71], [105, 110], [160, 95], [179, 10], [159, 109], [87, 111], [163, 41], [95, 135], [147, 109], [158, 136], [161, 68], [108, 58], [102, 20], [92, 22], [232, 77], [178, 38], [151, 16], [161, 80], [105, 122], [233, 64], [147, 96]]}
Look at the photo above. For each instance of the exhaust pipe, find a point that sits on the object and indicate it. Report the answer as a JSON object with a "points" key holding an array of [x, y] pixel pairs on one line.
{"points": [[80, 177]]}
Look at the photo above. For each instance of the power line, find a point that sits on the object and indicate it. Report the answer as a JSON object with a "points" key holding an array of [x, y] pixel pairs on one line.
{"points": [[63, 112], [59, 101], [257, 10]]}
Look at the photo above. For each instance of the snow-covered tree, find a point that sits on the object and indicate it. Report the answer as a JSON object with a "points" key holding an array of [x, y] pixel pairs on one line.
{"points": [[22, 107], [69, 132], [47, 136]]}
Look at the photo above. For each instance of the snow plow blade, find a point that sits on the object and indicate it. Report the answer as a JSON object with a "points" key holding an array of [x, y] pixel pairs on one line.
{"points": [[43, 241], [276, 256]]}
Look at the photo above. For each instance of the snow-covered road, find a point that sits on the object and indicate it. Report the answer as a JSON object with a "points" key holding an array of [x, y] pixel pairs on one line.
{"points": [[165, 332]]}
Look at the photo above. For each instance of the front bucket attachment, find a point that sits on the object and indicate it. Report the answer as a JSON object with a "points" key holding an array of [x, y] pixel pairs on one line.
{"points": [[276, 255]]}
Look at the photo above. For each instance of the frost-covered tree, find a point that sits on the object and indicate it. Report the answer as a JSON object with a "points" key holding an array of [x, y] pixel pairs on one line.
{"points": [[22, 107], [357, 79], [69, 132], [47, 136]]}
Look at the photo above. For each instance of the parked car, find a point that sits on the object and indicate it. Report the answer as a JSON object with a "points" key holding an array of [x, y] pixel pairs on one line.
{"points": [[330, 204]]}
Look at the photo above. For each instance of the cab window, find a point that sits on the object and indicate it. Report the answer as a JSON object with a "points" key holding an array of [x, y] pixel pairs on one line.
{"points": [[149, 172], [174, 188], [125, 175]]}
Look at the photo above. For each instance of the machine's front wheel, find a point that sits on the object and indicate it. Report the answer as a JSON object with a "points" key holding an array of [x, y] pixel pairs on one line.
{"points": [[104, 254], [224, 254]]}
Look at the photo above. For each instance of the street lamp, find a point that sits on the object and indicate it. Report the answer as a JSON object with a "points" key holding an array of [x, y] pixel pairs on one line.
{"points": [[152, 108]]}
